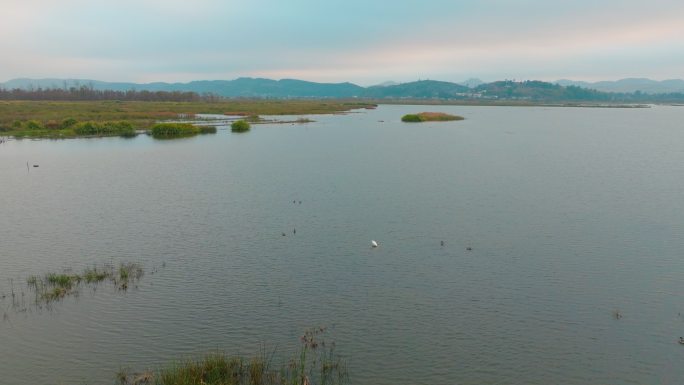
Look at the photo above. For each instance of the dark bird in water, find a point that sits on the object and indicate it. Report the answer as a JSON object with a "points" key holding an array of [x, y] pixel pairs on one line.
{"points": [[283, 234], [441, 243], [681, 340], [469, 248], [294, 201], [300, 202], [294, 231]]}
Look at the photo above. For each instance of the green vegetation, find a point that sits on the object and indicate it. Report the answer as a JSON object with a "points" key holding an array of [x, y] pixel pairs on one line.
{"points": [[315, 363], [429, 117], [411, 118], [70, 128], [121, 128], [170, 130], [240, 126], [56, 119], [54, 286]]}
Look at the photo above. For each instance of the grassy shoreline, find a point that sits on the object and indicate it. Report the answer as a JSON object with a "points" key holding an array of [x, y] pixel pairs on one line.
{"points": [[45, 119]]}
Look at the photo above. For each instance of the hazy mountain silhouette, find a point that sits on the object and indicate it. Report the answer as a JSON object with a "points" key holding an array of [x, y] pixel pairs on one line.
{"points": [[630, 85], [563, 90]]}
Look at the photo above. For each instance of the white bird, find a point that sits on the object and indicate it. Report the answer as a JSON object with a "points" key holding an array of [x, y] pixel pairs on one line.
{"points": [[374, 244]]}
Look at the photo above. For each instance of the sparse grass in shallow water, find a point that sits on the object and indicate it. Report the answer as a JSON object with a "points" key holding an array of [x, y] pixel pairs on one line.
{"points": [[54, 286]]}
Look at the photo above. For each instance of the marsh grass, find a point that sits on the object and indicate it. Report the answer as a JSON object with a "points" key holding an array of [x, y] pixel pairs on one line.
{"points": [[116, 128], [429, 117], [314, 364], [240, 126], [55, 286], [175, 130], [15, 115]]}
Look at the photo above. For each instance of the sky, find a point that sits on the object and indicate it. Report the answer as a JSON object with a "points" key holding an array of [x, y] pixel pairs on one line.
{"points": [[361, 41]]}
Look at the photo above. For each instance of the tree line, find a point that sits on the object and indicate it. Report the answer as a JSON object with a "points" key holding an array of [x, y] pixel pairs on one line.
{"points": [[86, 93]]}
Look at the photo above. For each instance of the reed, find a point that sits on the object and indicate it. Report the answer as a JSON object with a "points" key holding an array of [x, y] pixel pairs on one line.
{"points": [[54, 286], [314, 363]]}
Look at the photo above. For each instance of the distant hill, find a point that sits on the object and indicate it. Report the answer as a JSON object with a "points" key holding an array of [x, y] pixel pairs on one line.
{"points": [[471, 83], [647, 86], [241, 87], [420, 89], [534, 91], [385, 84]]}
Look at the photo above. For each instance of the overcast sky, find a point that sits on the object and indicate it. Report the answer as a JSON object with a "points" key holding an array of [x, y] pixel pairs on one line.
{"points": [[362, 41]]}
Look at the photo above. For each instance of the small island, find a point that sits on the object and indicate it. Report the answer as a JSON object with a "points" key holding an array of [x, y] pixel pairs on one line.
{"points": [[429, 117], [240, 126]]}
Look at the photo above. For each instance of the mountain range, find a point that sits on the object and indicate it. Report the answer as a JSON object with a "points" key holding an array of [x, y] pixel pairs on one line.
{"points": [[621, 90], [646, 86]]}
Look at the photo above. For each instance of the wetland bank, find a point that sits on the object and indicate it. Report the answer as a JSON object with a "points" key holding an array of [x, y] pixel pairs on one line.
{"points": [[69, 119], [573, 216]]}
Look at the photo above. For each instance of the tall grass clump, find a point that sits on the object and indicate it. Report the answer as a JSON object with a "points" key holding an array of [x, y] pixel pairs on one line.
{"points": [[34, 125], [240, 126], [122, 128], [68, 122], [314, 363], [169, 130]]}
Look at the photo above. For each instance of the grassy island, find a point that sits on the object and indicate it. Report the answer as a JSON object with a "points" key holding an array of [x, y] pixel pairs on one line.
{"points": [[240, 126], [430, 117], [176, 130]]}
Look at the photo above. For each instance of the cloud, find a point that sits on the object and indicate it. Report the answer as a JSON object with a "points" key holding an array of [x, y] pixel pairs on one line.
{"points": [[340, 40]]}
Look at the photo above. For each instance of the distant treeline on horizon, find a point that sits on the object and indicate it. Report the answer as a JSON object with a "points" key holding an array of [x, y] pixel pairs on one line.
{"points": [[86, 93], [530, 91]]}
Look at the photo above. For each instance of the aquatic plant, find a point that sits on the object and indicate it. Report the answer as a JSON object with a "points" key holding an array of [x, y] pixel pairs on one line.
{"points": [[55, 286], [240, 126]]}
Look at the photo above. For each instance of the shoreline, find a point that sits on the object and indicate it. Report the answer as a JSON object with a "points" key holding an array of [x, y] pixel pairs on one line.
{"points": [[21, 119]]}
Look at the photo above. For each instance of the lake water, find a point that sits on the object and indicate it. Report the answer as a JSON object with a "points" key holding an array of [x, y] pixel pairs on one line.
{"points": [[571, 214]]}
